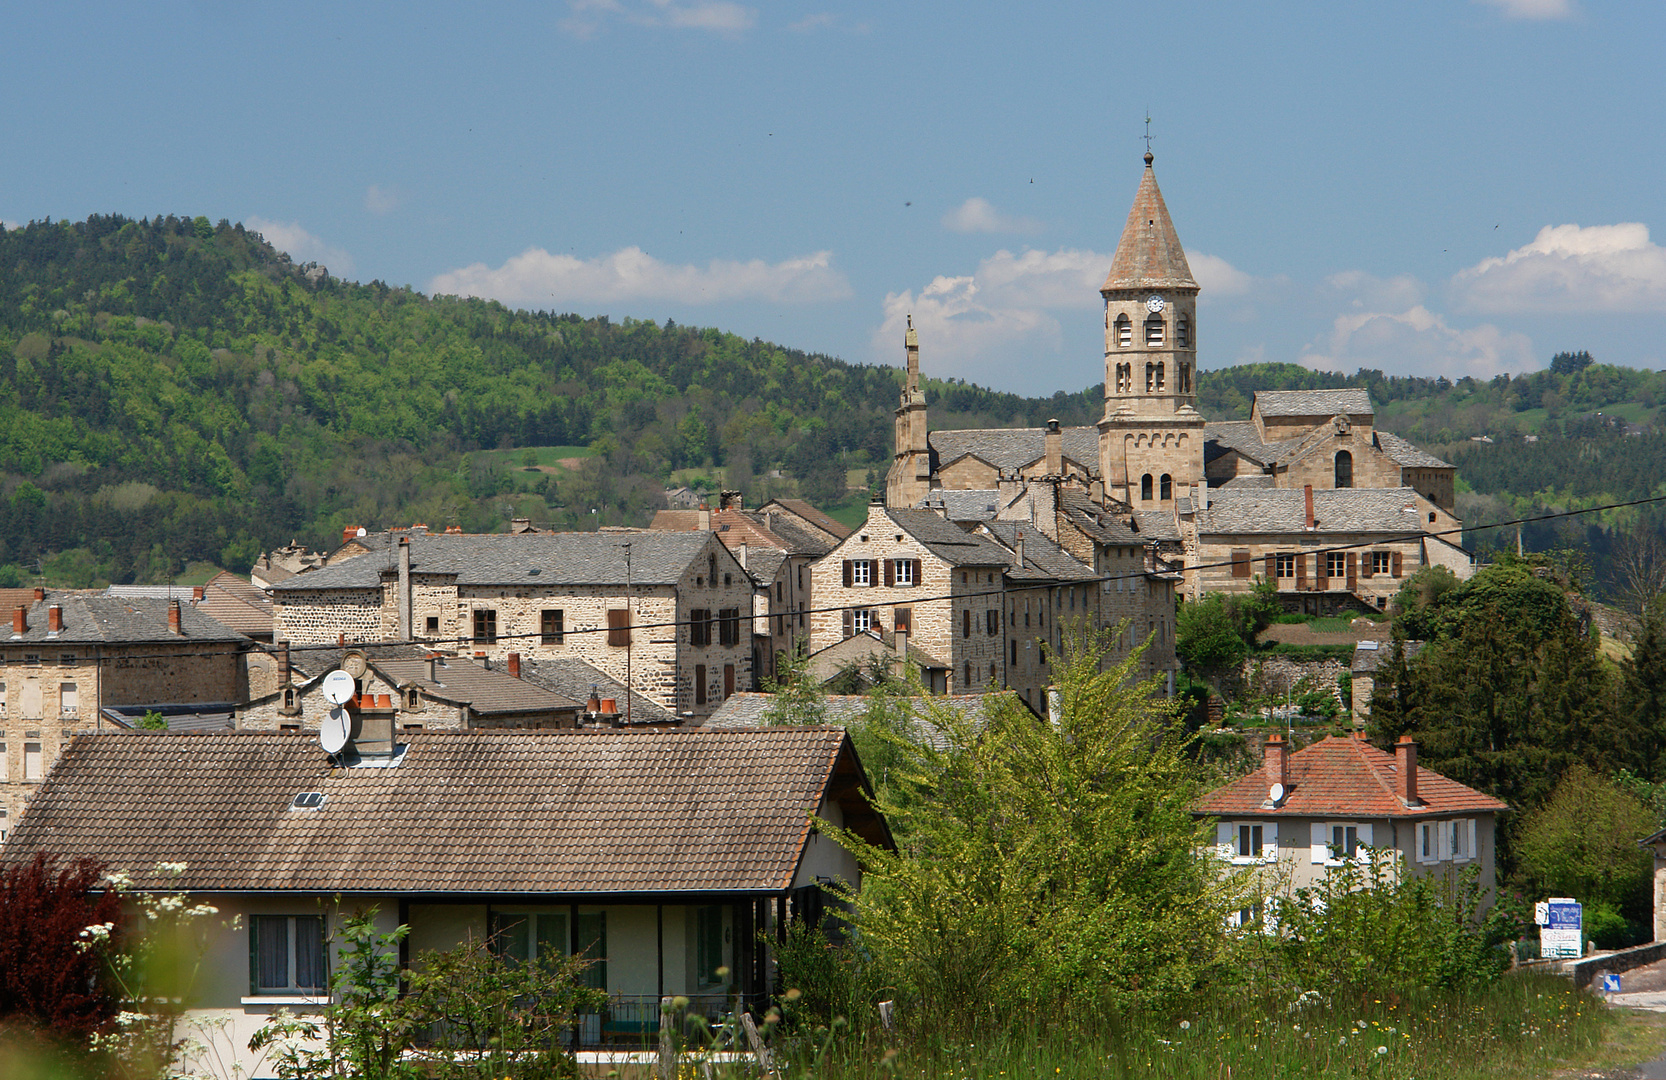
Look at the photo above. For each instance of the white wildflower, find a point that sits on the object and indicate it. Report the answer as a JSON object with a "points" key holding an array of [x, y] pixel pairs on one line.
{"points": [[1185, 1025], [173, 868], [1381, 1050]]}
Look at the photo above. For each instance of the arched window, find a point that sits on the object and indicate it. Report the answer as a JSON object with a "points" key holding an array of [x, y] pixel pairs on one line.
{"points": [[1184, 375], [1344, 469], [1167, 487], [413, 698], [1124, 331], [1182, 332], [1159, 378], [1145, 487], [1154, 331], [1150, 378]]}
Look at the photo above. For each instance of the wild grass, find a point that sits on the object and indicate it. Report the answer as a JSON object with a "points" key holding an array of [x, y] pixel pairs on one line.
{"points": [[1524, 1025]]}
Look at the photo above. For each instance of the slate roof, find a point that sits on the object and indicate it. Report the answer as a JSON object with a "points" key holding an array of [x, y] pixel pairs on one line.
{"points": [[763, 563], [809, 513], [1240, 435], [1344, 777], [1352, 401], [1012, 448], [798, 538], [1044, 560], [947, 540], [1406, 454], [1149, 255], [1369, 655], [746, 710], [233, 602], [180, 718], [1104, 524], [1246, 511], [1259, 481], [486, 691], [1157, 525], [482, 813], [94, 617], [969, 504], [573, 558], [573, 678]]}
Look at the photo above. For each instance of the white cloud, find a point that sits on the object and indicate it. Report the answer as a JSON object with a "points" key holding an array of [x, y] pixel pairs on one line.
{"points": [[1217, 277], [976, 215], [380, 200], [1419, 342], [1367, 292], [1532, 9], [537, 278], [1569, 270], [301, 245], [721, 16]]}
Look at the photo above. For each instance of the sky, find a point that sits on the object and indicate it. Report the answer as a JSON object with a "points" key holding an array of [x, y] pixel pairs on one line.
{"points": [[1456, 188]]}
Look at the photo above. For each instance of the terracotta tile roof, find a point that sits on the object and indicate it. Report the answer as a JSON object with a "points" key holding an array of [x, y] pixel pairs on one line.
{"points": [[468, 812], [1344, 777]]}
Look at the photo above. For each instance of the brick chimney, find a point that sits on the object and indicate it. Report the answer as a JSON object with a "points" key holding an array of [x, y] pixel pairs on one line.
{"points": [[1308, 488], [1405, 757], [196, 594], [173, 618], [55, 619], [514, 665], [283, 663], [20, 621], [1277, 760], [1054, 441]]}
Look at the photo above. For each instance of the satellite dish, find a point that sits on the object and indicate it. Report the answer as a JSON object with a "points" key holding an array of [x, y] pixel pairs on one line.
{"points": [[1275, 794], [333, 730], [362, 531], [338, 687]]}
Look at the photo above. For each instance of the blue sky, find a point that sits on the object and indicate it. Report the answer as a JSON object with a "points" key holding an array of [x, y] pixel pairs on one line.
{"points": [[1454, 188]]}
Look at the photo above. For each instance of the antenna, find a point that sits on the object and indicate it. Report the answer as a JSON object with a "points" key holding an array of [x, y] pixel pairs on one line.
{"points": [[334, 729], [338, 687]]}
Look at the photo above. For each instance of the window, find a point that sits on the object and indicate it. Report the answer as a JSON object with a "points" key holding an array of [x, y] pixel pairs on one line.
{"points": [[1344, 469], [1166, 487], [1247, 842], [5, 763], [1124, 331], [618, 626], [800, 577], [966, 622], [1336, 563], [1153, 332], [66, 659], [1014, 661], [968, 683], [1183, 375], [729, 626], [1336, 841], [552, 626], [861, 620], [1284, 566], [1182, 332], [32, 659], [32, 769], [286, 954], [861, 572], [700, 626], [431, 625], [1159, 378], [699, 684], [413, 698], [69, 699], [779, 585], [485, 626], [1461, 839], [992, 621], [905, 571], [2, 699], [1344, 841], [1145, 487], [709, 934], [1379, 562], [1150, 378]]}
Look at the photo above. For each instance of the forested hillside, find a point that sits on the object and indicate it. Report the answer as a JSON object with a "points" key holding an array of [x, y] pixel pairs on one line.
{"points": [[174, 390]]}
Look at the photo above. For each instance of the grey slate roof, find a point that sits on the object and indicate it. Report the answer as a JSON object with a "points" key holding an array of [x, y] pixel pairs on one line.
{"points": [[114, 619], [1262, 481], [747, 710], [947, 540], [1011, 448], [972, 504], [1157, 525], [762, 563], [1240, 435], [181, 718], [486, 691], [1352, 401], [575, 558], [573, 678], [1406, 454], [1103, 524], [484, 813], [1043, 559], [1244, 511], [799, 539]]}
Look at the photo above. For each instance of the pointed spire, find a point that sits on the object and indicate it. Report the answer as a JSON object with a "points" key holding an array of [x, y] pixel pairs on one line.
{"points": [[1149, 256]]}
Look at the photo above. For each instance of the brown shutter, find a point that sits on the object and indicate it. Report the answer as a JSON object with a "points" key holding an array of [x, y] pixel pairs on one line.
{"points": [[1396, 564], [1272, 568], [916, 563], [1240, 564], [849, 576], [850, 622], [1301, 570], [890, 573], [1321, 570], [1367, 564], [618, 626], [1353, 570], [699, 684]]}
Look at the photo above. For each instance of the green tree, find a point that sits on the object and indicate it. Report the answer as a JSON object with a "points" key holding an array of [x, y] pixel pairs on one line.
{"points": [[1583, 842], [798, 698]]}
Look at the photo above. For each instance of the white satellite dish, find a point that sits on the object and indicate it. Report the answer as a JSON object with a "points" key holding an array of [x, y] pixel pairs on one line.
{"points": [[334, 729], [1275, 794], [338, 687]]}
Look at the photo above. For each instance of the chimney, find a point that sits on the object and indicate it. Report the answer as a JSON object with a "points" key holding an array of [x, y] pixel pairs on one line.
{"points": [[283, 663], [433, 665], [1055, 449], [705, 521], [348, 532], [406, 630], [594, 705], [55, 619], [1405, 756], [1310, 522], [1277, 760], [196, 594], [480, 658], [740, 553], [20, 621], [514, 665], [40, 594], [173, 617], [1018, 550]]}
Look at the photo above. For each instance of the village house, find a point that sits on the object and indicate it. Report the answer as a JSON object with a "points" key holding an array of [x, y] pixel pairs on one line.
{"points": [[662, 856], [70, 655], [665, 613], [1302, 813]]}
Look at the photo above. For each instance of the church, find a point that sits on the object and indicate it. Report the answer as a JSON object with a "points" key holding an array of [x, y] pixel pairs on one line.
{"points": [[1307, 493]]}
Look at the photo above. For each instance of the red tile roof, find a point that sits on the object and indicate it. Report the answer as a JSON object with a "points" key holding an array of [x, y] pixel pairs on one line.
{"points": [[1348, 777]]}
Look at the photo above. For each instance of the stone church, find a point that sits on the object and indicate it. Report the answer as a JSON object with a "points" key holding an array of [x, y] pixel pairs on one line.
{"points": [[1307, 493]]}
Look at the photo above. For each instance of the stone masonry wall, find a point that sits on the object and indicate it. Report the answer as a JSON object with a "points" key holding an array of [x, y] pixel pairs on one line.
{"points": [[318, 617]]}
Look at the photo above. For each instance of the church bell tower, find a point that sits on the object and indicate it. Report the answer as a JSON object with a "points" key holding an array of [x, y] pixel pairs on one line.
{"points": [[910, 477]]}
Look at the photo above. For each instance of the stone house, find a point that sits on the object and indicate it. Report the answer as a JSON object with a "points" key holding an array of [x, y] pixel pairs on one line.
{"points": [[70, 655], [1368, 657], [546, 596], [668, 855], [1302, 813]]}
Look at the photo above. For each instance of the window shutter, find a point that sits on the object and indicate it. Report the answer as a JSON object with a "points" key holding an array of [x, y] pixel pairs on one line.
{"points": [[1320, 841], [1396, 564], [254, 957], [849, 577], [890, 573], [1301, 570], [1364, 835], [916, 579], [1272, 568], [1223, 840], [850, 619], [618, 626], [1269, 843], [1367, 564], [1240, 564], [1469, 827], [1353, 570]]}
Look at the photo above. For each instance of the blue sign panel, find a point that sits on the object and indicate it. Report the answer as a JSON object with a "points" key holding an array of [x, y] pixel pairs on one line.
{"points": [[1565, 916], [1611, 984]]}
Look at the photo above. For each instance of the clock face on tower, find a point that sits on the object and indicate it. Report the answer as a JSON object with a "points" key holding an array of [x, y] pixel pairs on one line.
{"points": [[1154, 304]]}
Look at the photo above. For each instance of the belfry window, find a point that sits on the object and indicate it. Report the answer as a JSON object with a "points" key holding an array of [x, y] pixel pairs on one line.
{"points": [[1153, 332], [1344, 469], [1182, 332], [1124, 331], [1145, 487], [1150, 378], [1167, 487], [1159, 378]]}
